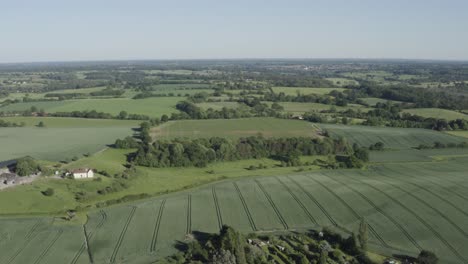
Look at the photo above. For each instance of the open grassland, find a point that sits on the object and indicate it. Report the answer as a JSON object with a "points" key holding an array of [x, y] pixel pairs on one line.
{"points": [[154, 107], [437, 113], [62, 138], [408, 207], [394, 138], [234, 128], [304, 90]]}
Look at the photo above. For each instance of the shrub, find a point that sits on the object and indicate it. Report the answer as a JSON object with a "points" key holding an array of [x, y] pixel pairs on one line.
{"points": [[48, 192]]}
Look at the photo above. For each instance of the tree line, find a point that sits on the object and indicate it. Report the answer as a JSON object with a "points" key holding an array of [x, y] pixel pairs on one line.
{"points": [[200, 152]]}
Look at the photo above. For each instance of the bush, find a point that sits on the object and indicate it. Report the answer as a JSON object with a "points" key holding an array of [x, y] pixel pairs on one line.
{"points": [[427, 257], [48, 192], [26, 166]]}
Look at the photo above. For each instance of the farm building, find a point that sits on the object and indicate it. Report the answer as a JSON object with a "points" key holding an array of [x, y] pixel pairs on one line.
{"points": [[82, 173]]}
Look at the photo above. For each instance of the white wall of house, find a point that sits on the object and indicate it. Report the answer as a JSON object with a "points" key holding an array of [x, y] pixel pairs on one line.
{"points": [[84, 175]]}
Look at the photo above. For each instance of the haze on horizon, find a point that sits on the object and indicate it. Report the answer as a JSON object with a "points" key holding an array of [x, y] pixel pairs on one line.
{"points": [[52, 30]]}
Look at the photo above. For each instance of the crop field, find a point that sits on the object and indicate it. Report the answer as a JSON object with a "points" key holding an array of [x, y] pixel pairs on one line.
{"points": [[234, 128], [437, 113], [372, 101], [154, 107], [405, 205], [459, 133], [394, 138], [301, 108], [343, 81], [304, 90], [219, 105], [61, 138]]}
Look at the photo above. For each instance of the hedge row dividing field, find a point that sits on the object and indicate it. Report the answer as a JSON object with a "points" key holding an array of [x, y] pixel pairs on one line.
{"points": [[409, 207]]}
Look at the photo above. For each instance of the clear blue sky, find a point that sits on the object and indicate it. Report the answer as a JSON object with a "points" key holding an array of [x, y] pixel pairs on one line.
{"points": [[61, 30]]}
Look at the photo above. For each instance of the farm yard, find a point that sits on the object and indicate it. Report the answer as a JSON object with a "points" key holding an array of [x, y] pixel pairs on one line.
{"points": [[406, 206]]}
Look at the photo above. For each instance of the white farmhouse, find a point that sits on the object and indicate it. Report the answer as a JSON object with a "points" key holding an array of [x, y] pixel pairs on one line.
{"points": [[82, 173]]}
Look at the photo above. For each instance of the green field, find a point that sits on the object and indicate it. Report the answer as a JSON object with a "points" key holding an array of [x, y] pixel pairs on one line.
{"points": [[459, 133], [437, 113], [234, 128], [372, 101], [219, 105], [154, 107], [62, 138], [342, 81], [408, 207], [394, 138], [301, 108], [304, 90]]}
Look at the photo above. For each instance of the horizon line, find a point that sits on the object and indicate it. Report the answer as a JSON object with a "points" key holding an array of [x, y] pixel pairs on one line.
{"points": [[240, 59]]}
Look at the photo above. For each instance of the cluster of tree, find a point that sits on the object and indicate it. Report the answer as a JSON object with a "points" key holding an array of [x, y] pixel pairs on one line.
{"points": [[231, 247], [100, 115], [200, 152], [108, 92], [146, 94], [301, 98], [440, 145], [126, 143], [420, 97], [255, 109], [65, 96], [26, 166], [4, 123], [379, 146], [3, 94]]}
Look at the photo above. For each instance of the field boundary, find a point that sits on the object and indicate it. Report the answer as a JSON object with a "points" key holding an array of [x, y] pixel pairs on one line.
{"points": [[246, 208]]}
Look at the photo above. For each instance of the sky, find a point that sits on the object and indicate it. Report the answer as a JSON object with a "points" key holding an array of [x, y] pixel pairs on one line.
{"points": [[65, 30]]}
